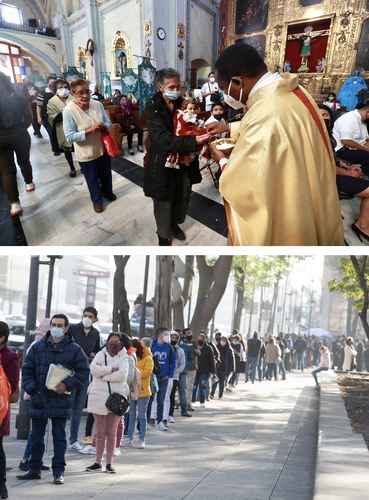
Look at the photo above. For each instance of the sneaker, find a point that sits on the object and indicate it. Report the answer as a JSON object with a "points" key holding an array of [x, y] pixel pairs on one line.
{"points": [[171, 420], [76, 446], [15, 209], [23, 465], [30, 187], [131, 152], [140, 445], [94, 468], [117, 452], [202, 405], [162, 427], [73, 173], [109, 469], [29, 476], [140, 149], [186, 415], [126, 443], [59, 479], [88, 450], [178, 233], [88, 440]]}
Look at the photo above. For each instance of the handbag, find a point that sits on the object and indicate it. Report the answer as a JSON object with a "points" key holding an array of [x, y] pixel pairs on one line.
{"points": [[110, 145], [116, 403]]}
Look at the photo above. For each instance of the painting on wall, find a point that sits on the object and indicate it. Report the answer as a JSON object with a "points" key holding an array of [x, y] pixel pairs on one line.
{"points": [[362, 59], [257, 41], [306, 3], [251, 16]]}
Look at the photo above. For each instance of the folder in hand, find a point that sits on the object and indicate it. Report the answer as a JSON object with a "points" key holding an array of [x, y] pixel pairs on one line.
{"points": [[55, 375]]}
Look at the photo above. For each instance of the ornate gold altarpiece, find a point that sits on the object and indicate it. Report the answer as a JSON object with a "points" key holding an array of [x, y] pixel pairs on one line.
{"points": [[347, 18]]}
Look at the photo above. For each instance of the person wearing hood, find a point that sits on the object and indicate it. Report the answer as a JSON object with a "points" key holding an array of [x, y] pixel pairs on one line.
{"points": [[179, 379], [88, 338], [57, 347], [169, 188], [163, 352], [225, 367], [10, 364], [110, 367], [138, 407]]}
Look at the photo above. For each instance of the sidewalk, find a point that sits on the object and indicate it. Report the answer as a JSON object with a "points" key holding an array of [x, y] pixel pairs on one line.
{"points": [[343, 458], [257, 444]]}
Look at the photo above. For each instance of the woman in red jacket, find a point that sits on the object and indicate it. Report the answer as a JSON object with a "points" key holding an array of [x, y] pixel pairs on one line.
{"points": [[10, 363]]}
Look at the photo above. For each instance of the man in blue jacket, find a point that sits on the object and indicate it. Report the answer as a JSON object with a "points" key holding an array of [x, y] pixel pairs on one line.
{"points": [[57, 347], [163, 352]]}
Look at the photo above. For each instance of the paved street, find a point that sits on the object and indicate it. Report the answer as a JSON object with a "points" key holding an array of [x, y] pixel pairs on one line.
{"points": [[257, 444]]}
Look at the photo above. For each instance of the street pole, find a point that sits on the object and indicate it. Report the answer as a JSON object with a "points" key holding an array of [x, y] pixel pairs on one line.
{"points": [[50, 287], [144, 300], [22, 422]]}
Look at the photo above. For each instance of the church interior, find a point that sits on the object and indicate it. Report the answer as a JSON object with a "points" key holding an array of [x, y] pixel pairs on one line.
{"points": [[118, 46]]}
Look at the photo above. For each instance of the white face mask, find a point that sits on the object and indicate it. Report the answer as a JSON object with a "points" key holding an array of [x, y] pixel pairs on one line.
{"points": [[231, 101], [63, 92], [87, 323], [212, 79]]}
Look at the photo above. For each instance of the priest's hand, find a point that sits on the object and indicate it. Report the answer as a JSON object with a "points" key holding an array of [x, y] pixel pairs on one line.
{"points": [[202, 139], [216, 154], [215, 129]]}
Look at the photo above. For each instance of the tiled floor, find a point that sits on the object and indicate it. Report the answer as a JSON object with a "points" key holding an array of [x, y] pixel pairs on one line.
{"points": [[59, 212]]}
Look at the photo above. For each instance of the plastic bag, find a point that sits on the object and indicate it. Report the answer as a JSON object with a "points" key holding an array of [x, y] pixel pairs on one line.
{"points": [[111, 146], [5, 393]]}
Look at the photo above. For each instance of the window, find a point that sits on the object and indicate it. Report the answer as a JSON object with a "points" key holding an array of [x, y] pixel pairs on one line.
{"points": [[10, 14]]}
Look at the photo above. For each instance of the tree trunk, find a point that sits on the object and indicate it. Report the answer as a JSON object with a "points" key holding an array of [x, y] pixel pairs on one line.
{"points": [[359, 263], [355, 323], [261, 310], [163, 292], [240, 293], [349, 318], [251, 310], [274, 307], [180, 297], [120, 301], [212, 285]]}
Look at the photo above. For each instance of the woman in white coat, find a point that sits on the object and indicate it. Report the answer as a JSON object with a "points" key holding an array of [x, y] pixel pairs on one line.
{"points": [[350, 355], [109, 365]]}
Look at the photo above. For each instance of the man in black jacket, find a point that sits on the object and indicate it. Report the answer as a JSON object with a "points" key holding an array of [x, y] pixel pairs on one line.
{"points": [[253, 351], [205, 362], [170, 188], [88, 338]]}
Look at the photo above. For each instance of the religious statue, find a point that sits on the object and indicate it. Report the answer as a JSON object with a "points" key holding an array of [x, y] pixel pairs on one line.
{"points": [[287, 67], [322, 64], [81, 61], [306, 39], [121, 64], [89, 52]]}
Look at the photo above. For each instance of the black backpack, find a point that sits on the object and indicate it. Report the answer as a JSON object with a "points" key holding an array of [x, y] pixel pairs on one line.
{"points": [[12, 112]]}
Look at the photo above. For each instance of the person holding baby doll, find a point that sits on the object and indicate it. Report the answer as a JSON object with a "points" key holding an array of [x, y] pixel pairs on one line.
{"points": [[172, 131]]}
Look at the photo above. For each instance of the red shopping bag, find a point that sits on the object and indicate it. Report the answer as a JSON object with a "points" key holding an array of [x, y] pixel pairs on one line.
{"points": [[110, 145], [5, 392]]}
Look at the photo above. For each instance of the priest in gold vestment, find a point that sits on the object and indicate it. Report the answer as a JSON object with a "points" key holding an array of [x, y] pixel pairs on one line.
{"points": [[279, 184]]}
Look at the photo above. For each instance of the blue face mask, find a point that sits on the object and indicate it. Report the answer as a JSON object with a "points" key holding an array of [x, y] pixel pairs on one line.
{"points": [[172, 95], [57, 332]]}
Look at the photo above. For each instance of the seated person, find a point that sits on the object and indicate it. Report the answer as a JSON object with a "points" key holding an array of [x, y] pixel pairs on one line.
{"points": [[350, 181], [186, 123], [97, 95], [131, 124], [217, 116], [352, 139]]}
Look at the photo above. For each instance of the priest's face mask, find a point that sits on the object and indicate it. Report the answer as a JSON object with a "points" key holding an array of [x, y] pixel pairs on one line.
{"points": [[237, 91]]}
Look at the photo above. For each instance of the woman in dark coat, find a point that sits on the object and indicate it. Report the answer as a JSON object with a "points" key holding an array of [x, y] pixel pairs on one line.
{"points": [[170, 188], [226, 366], [10, 363]]}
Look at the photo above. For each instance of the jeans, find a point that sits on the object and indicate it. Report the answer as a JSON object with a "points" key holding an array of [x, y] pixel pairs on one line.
{"points": [[52, 136], [2, 463], [221, 382], [300, 361], [316, 371], [138, 409], [98, 177], [163, 385], [200, 384], [251, 365], [181, 385], [190, 375], [282, 369], [79, 396], [272, 371], [38, 444]]}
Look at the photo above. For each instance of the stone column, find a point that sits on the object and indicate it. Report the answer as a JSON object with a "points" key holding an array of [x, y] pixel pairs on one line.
{"points": [[93, 27], [69, 57]]}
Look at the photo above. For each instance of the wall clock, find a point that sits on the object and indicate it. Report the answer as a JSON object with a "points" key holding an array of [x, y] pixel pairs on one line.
{"points": [[161, 33]]}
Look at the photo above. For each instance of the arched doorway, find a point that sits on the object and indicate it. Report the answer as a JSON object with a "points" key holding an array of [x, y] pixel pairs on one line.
{"points": [[199, 72]]}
